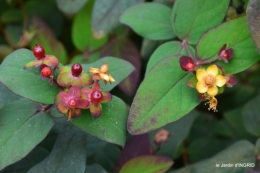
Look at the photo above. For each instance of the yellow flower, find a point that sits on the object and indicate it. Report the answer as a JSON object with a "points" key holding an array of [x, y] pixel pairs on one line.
{"points": [[209, 80], [101, 74]]}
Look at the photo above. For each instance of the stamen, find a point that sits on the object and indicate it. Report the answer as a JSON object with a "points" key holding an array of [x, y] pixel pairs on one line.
{"points": [[212, 101]]}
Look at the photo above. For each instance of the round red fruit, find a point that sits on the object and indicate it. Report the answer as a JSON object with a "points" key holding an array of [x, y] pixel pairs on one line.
{"points": [[96, 96], [72, 103], [39, 52], [225, 55], [46, 71], [76, 69], [190, 66]]}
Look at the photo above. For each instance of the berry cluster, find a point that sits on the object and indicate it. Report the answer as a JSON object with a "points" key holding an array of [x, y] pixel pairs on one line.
{"points": [[76, 94], [211, 81]]}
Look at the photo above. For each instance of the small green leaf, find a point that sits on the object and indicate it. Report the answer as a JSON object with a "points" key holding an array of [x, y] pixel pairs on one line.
{"points": [[67, 155], [95, 169], [110, 126], [21, 124], [119, 69], [150, 20], [105, 15], [6, 96], [179, 130], [252, 13], [81, 30], [251, 117], [235, 34], [70, 7], [167, 49], [191, 18], [147, 164], [26, 83], [162, 97], [240, 152]]}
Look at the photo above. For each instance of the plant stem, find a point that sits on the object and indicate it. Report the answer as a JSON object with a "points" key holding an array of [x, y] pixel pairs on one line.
{"points": [[7, 38]]}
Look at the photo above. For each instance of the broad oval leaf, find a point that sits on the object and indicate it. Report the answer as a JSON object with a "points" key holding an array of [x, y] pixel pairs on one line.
{"points": [[162, 97], [147, 164], [150, 20], [252, 13], [26, 83], [110, 126], [82, 36], [251, 117], [118, 68], [70, 7], [127, 50], [67, 155], [21, 124], [167, 49], [105, 15], [236, 35], [191, 18]]}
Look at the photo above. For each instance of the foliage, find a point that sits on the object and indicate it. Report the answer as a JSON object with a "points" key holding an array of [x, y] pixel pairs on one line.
{"points": [[121, 86]]}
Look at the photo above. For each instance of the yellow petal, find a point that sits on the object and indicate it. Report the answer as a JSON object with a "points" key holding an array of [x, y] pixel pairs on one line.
{"points": [[111, 79], [201, 87], [213, 70], [220, 80], [94, 70], [104, 77], [212, 91], [200, 74]]}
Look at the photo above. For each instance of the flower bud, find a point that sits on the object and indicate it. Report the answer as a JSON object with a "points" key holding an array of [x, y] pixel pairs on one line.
{"points": [[187, 63]]}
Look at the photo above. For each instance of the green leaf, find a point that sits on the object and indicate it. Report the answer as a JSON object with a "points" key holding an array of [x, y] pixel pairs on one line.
{"points": [[105, 15], [252, 13], [179, 130], [94, 144], [67, 155], [150, 20], [6, 96], [191, 18], [251, 117], [81, 30], [162, 97], [119, 69], [235, 34], [23, 166], [148, 46], [147, 164], [21, 124], [167, 49], [110, 126], [239, 152], [107, 157], [95, 169], [209, 146], [26, 83], [14, 33], [127, 50], [70, 7]]}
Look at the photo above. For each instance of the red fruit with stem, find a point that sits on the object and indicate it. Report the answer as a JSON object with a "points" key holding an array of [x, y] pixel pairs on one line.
{"points": [[96, 96], [39, 52], [46, 71], [76, 69]]}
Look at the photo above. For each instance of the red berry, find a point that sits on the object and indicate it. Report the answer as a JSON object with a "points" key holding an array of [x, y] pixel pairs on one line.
{"points": [[190, 66], [39, 52], [76, 69], [46, 71], [72, 103], [96, 96], [225, 55]]}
